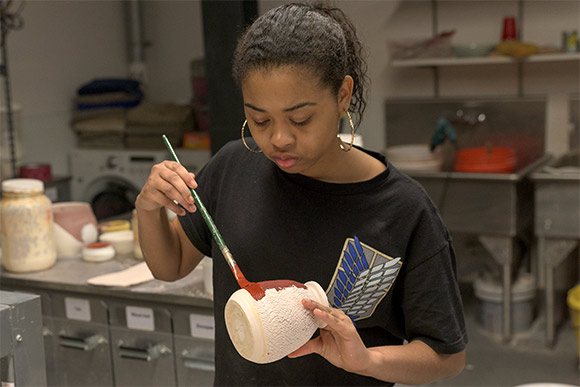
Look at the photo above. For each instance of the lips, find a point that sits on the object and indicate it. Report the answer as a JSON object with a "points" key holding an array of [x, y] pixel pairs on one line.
{"points": [[285, 162]]}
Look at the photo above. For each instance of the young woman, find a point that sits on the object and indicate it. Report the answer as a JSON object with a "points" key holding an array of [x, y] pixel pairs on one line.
{"points": [[298, 203]]}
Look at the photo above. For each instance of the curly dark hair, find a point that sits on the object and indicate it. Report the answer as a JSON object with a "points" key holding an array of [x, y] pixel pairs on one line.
{"points": [[314, 35]]}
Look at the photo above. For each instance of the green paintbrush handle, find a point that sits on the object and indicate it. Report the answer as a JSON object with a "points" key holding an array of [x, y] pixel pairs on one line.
{"points": [[206, 216]]}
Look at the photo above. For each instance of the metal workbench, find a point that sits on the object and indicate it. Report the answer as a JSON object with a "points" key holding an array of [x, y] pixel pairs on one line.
{"points": [[150, 334], [498, 208], [557, 224], [21, 355], [72, 274]]}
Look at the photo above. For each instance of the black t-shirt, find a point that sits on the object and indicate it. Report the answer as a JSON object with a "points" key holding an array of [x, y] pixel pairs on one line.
{"points": [[378, 248]]}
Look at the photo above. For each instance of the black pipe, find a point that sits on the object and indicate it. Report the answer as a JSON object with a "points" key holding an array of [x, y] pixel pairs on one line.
{"points": [[4, 73]]}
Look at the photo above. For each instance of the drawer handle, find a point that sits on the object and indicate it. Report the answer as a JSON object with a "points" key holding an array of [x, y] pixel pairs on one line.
{"points": [[197, 363], [85, 344], [146, 354]]}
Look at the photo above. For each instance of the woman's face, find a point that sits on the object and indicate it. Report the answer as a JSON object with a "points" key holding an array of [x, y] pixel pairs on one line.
{"points": [[293, 120]]}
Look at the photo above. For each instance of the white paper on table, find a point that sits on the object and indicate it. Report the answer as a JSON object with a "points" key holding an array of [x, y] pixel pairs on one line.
{"points": [[132, 276]]}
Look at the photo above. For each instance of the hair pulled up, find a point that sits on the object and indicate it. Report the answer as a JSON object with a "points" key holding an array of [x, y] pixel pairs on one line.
{"points": [[317, 36]]}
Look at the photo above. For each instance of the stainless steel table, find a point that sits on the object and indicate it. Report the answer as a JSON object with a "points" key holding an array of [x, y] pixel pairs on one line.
{"points": [[21, 354], [557, 222], [72, 275], [498, 208], [138, 335]]}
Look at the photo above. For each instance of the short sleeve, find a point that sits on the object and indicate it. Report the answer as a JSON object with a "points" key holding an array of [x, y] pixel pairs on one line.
{"points": [[432, 303]]}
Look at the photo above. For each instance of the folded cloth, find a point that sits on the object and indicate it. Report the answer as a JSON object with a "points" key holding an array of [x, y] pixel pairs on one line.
{"points": [[79, 115], [151, 113], [100, 140], [157, 130], [121, 104], [110, 124], [132, 276], [111, 85], [100, 98], [151, 142]]}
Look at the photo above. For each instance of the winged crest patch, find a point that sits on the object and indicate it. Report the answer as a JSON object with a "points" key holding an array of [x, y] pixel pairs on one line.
{"points": [[362, 279]]}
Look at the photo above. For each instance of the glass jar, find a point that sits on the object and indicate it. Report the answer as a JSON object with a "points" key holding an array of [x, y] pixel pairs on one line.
{"points": [[27, 226]]}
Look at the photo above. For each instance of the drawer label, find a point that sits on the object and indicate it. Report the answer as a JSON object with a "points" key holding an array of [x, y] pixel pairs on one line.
{"points": [[202, 326], [140, 318], [77, 309]]}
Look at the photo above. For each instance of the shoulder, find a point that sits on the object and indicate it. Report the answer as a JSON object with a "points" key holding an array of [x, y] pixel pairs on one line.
{"points": [[233, 164], [428, 233], [232, 149], [233, 155], [410, 193]]}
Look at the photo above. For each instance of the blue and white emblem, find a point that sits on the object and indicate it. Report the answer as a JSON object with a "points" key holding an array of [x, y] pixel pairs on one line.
{"points": [[362, 279]]}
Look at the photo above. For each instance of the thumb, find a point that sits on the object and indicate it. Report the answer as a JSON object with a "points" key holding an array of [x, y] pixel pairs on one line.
{"points": [[312, 346]]}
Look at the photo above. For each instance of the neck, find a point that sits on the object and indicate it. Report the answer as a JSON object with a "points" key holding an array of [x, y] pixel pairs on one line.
{"points": [[351, 167]]}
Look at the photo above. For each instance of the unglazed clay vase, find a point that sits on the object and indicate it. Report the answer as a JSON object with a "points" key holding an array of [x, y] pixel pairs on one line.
{"points": [[75, 226], [269, 329]]}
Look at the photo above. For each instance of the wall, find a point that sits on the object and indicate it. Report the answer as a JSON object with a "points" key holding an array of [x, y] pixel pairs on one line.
{"points": [[175, 31], [481, 22], [62, 45], [67, 43], [477, 21]]}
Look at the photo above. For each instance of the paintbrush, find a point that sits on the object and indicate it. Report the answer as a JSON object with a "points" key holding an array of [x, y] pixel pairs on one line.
{"points": [[256, 289]]}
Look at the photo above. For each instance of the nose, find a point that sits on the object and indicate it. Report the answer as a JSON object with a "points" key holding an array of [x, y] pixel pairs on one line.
{"points": [[281, 137]]}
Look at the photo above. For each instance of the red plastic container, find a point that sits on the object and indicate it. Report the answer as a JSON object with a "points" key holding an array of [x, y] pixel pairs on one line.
{"points": [[509, 31], [485, 160], [36, 171]]}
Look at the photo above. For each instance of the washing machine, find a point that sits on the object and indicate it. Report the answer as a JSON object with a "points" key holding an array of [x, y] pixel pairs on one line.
{"points": [[111, 179]]}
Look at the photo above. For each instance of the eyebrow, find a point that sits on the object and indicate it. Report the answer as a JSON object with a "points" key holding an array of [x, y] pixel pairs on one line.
{"points": [[300, 105]]}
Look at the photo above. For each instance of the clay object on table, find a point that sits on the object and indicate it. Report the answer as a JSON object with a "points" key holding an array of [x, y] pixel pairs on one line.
{"points": [[75, 225], [269, 329]]}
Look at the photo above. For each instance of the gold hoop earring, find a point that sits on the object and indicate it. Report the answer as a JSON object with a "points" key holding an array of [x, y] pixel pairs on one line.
{"points": [[244, 140], [340, 142]]}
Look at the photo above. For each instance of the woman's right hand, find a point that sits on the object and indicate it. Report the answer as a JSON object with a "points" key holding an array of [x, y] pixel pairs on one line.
{"points": [[169, 182]]}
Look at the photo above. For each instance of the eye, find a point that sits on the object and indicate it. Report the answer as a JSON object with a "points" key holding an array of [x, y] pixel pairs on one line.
{"points": [[301, 123], [261, 123]]}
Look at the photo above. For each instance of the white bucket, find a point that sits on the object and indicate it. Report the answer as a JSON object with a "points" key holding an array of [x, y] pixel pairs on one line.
{"points": [[489, 293]]}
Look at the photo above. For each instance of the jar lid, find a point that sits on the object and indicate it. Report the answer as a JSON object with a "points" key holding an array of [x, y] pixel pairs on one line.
{"points": [[23, 186]]}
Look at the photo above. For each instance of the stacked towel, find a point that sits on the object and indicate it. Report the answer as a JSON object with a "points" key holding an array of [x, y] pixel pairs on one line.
{"points": [[146, 123], [100, 110]]}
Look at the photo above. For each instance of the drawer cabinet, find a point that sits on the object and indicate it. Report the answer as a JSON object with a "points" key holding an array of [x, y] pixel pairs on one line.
{"points": [[80, 336], [94, 340], [142, 345], [194, 332]]}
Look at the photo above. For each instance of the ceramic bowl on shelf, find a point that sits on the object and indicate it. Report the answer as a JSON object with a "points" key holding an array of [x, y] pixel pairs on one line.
{"points": [[415, 157], [472, 50]]}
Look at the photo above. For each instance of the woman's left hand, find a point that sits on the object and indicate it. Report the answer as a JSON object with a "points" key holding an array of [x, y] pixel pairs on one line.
{"points": [[339, 342]]}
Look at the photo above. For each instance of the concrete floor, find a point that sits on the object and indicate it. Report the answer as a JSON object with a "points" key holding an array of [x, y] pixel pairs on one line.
{"points": [[524, 359]]}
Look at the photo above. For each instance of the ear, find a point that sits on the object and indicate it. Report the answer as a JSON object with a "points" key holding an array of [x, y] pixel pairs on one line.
{"points": [[345, 94]]}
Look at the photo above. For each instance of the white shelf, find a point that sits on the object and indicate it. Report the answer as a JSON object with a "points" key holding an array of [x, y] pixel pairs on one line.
{"points": [[562, 57], [489, 60]]}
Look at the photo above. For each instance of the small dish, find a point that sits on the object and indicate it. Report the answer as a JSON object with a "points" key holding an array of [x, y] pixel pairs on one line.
{"points": [[122, 241], [98, 252], [471, 50], [115, 225]]}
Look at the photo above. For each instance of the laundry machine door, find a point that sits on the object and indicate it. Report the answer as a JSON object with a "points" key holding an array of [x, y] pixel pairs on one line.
{"points": [[111, 196]]}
